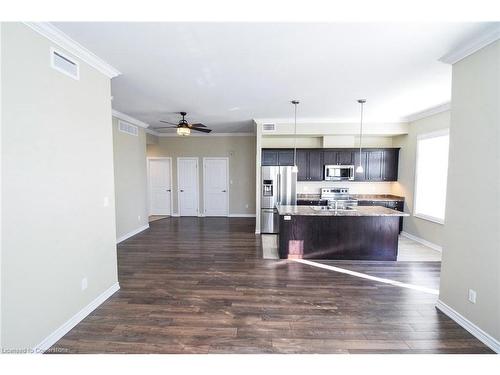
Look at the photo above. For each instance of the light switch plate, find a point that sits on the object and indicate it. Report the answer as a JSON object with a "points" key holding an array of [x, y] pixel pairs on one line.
{"points": [[472, 296], [105, 202], [85, 283]]}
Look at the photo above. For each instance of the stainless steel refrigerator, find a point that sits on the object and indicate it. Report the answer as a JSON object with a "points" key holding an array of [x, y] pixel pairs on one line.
{"points": [[279, 186]]}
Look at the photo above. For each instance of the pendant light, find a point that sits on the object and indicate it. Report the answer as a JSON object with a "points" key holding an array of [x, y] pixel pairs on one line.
{"points": [[360, 169], [295, 169]]}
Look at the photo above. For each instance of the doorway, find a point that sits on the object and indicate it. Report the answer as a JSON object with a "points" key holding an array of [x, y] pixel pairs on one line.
{"points": [[187, 185], [160, 185], [216, 186]]}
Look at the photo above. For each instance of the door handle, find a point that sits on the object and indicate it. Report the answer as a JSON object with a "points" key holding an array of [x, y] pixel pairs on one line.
{"points": [[223, 191], [182, 191], [169, 190]]}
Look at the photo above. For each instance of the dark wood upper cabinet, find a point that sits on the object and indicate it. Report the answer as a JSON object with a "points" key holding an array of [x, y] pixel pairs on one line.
{"points": [[345, 157], [277, 157], [391, 162], [316, 165], [379, 164], [310, 165], [342, 157], [359, 176], [269, 157], [285, 157], [303, 165], [330, 157], [374, 165]]}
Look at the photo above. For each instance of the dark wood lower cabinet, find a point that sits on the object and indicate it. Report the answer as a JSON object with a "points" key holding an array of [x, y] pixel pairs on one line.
{"points": [[392, 204], [339, 237]]}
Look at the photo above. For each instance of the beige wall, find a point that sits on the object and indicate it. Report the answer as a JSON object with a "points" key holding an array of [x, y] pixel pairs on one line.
{"points": [[151, 139], [130, 180], [57, 168], [241, 153], [427, 230], [330, 141], [471, 253]]}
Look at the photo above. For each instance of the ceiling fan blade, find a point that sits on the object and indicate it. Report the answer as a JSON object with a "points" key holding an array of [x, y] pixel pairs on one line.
{"points": [[166, 127], [166, 122], [198, 126], [202, 130]]}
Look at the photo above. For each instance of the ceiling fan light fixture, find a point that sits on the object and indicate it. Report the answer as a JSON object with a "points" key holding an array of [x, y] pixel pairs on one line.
{"points": [[183, 131]]}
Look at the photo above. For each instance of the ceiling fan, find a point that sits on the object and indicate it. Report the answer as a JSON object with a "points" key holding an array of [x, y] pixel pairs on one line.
{"points": [[183, 127]]}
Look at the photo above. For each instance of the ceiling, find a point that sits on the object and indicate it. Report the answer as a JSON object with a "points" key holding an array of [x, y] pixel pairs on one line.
{"points": [[226, 74]]}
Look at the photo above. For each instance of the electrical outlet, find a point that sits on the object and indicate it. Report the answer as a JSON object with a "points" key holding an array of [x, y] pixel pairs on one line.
{"points": [[139, 218], [472, 296], [105, 202], [84, 283]]}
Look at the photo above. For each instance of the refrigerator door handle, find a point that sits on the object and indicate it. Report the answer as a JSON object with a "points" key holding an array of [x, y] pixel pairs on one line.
{"points": [[279, 188]]}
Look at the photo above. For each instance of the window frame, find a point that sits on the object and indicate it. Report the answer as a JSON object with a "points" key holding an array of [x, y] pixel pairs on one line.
{"points": [[428, 135]]}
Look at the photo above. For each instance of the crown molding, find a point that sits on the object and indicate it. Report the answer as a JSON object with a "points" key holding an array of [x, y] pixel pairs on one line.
{"points": [[429, 112], [130, 119], [471, 46], [55, 35], [326, 121], [153, 132]]}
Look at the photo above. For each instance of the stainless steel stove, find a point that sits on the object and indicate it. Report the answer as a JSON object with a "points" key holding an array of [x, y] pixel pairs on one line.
{"points": [[338, 197]]}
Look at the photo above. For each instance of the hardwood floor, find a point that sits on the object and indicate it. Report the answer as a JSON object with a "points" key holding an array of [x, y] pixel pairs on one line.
{"points": [[200, 285]]}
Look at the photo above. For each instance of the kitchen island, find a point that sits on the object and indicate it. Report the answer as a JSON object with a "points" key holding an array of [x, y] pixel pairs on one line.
{"points": [[319, 232]]}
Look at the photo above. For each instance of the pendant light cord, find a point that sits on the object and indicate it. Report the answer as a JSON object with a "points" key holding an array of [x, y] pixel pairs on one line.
{"points": [[360, 133], [295, 137], [362, 102], [295, 102]]}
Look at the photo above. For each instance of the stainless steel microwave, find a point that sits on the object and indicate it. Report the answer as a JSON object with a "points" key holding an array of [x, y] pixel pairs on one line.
{"points": [[339, 172]]}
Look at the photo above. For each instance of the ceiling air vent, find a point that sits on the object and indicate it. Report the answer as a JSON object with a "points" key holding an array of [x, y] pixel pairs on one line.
{"points": [[64, 64], [268, 127], [127, 128]]}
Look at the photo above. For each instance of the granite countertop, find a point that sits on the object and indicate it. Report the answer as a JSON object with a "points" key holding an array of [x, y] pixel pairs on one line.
{"points": [[377, 197], [359, 197], [357, 211]]}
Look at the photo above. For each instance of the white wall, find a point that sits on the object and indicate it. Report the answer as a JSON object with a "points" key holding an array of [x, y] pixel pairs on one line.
{"points": [[57, 168], [471, 249], [425, 229], [130, 181]]}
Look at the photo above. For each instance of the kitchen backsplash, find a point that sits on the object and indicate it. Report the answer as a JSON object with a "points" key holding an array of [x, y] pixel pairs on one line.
{"points": [[313, 187]]}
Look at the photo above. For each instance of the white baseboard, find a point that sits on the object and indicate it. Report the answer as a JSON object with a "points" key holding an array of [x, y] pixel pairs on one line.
{"points": [[175, 214], [422, 241], [75, 319], [133, 233], [241, 215], [477, 332]]}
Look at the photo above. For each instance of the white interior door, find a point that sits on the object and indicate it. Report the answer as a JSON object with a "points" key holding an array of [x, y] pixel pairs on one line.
{"points": [[187, 182], [160, 186], [215, 186]]}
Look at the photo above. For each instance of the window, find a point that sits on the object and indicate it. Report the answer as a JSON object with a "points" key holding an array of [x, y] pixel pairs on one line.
{"points": [[431, 174]]}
